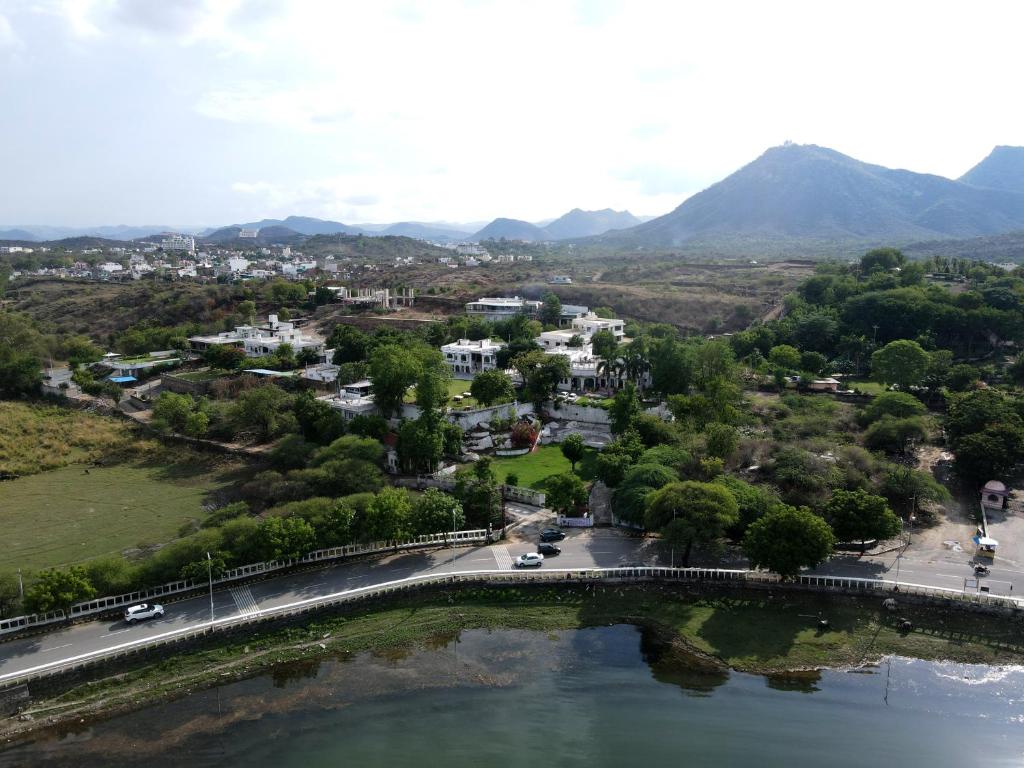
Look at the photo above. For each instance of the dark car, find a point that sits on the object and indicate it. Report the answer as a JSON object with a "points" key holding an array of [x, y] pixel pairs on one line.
{"points": [[551, 534], [549, 549]]}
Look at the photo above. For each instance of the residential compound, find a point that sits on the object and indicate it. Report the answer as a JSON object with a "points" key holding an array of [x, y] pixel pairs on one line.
{"points": [[496, 309], [501, 308], [467, 358], [259, 340]]}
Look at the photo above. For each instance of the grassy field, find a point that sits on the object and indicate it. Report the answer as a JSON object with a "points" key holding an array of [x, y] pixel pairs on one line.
{"points": [[35, 438], [866, 386], [535, 468], [751, 631], [66, 516]]}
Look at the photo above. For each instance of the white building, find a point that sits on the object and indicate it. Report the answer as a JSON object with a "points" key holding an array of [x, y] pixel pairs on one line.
{"points": [[501, 308], [259, 340], [237, 264], [467, 358], [179, 243], [589, 324], [561, 280]]}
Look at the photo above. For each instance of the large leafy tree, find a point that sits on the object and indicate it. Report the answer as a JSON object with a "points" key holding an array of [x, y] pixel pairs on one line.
{"points": [[690, 512], [393, 369], [625, 408], [58, 590], [787, 539], [565, 493], [388, 516], [283, 538], [491, 387], [551, 309], [541, 374], [902, 362], [573, 449], [604, 344], [859, 515], [21, 351], [436, 511]]}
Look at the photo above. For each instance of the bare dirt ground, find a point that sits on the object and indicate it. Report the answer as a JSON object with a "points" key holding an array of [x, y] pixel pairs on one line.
{"points": [[955, 519]]}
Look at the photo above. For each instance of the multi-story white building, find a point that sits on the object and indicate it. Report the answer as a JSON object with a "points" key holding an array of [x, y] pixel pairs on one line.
{"points": [[589, 324], [259, 340], [179, 243], [467, 358], [501, 308]]}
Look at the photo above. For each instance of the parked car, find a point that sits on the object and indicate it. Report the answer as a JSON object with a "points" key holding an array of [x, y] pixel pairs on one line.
{"points": [[551, 534], [144, 611], [529, 559], [549, 549]]}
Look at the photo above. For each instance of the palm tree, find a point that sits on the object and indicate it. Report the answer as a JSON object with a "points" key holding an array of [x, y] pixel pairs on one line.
{"points": [[635, 361], [609, 368]]}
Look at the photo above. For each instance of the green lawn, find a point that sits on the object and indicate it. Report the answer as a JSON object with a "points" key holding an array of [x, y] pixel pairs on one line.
{"points": [[535, 468], [66, 516], [866, 386]]}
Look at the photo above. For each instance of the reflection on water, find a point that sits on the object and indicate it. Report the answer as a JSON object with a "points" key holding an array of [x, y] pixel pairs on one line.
{"points": [[608, 696]]}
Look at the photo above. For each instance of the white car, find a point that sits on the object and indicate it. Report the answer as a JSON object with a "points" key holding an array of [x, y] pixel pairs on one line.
{"points": [[529, 559], [143, 611]]}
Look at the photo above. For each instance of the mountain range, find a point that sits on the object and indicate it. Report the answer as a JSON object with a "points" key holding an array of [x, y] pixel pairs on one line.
{"points": [[806, 191], [791, 193]]}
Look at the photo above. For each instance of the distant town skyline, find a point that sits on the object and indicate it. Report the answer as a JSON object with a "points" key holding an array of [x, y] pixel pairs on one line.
{"points": [[211, 112]]}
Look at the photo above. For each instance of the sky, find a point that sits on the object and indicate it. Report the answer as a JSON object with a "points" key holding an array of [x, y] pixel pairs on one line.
{"points": [[211, 112]]}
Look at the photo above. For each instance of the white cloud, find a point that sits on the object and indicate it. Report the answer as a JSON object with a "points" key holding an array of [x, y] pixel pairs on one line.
{"points": [[465, 109], [8, 39]]}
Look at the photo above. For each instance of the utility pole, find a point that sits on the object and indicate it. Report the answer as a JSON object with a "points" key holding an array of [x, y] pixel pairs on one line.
{"points": [[21, 586], [209, 569], [453, 544]]}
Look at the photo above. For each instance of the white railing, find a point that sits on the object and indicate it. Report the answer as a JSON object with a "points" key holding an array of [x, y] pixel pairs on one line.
{"points": [[101, 604], [640, 573]]}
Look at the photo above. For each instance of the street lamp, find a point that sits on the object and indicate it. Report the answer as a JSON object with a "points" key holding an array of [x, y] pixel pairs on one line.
{"points": [[209, 570]]}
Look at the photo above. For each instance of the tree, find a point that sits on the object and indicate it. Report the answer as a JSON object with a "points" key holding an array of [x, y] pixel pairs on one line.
{"points": [[624, 409], [901, 362], [350, 344], [813, 362], [55, 590], [722, 440], [225, 357], [318, 422], [490, 387], [263, 410], [899, 405], [393, 369], [551, 309], [565, 493], [636, 360], [672, 367], [787, 539], [859, 515], [907, 488], [171, 412], [892, 435], [21, 350], [285, 538], [881, 259], [388, 516], [436, 511], [573, 449], [541, 373], [785, 356], [10, 597], [691, 512], [604, 344]]}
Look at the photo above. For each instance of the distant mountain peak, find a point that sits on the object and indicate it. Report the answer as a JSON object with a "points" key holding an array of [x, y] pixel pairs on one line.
{"points": [[580, 223], [1003, 169], [808, 191]]}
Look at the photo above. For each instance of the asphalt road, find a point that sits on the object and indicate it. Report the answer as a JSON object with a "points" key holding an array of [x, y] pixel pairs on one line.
{"points": [[601, 548]]}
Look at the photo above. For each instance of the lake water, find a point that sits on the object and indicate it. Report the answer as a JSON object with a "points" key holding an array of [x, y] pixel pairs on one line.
{"points": [[595, 697]]}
